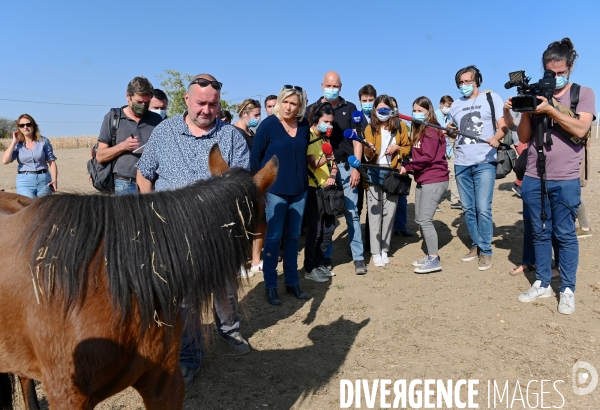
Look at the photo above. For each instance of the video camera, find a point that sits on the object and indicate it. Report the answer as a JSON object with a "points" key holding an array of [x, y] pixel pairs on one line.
{"points": [[526, 100]]}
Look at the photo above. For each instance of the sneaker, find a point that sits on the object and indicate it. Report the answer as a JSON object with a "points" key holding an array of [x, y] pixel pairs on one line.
{"points": [[257, 268], [566, 306], [245, 273], [517, 190], [238, 344], [485, 262], [456, 205], [536, 292], [472, 255], [421, 262], [582, 233], [325, 271], [360, 268], [432, 265], [188, 375], [384, 257], [316, 275], [438, 209], [377, 261]]}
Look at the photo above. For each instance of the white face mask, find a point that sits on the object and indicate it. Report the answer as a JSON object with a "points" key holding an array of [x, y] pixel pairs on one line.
{"points": [[162, 113], [383, 118], [445, 110]]}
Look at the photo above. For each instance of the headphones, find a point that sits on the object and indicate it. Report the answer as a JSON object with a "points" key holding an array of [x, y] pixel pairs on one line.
{"points": [[478, 77], [315, 112]]}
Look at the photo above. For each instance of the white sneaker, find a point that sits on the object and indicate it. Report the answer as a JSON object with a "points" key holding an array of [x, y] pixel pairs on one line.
{"points": [[566, 306], [257, 268], [535, 292], [315, 275], [245, 274], [325, 272], [384, 257], [377, 261]]}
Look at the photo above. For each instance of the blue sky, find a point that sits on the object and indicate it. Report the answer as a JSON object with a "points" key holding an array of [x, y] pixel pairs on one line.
{"points": [[86, 52]]}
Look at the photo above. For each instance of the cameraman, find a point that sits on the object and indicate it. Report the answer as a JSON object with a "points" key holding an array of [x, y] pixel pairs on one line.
{"points": [[562, 178]]}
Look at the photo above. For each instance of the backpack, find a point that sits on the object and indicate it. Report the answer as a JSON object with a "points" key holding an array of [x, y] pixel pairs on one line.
{"points": [[101, 175], [506, 156]]}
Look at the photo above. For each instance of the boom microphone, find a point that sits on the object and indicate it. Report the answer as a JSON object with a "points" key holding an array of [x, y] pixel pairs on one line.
{"points": [[449, 130], [352, 135], [327, 148]]}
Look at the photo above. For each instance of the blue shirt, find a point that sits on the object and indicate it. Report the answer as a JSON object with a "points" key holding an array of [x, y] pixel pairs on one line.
{"points": [[35, 160], [444, 120], [272, 139], [174, 157]]}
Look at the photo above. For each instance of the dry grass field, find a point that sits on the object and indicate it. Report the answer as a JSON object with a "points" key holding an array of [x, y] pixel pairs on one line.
{"points": [[393, 324]]}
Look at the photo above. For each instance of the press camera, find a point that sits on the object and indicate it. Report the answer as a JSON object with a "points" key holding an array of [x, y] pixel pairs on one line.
{"points": [[526, 100]]}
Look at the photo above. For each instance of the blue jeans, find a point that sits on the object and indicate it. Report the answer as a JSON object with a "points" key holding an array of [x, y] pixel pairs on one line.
{"points": [[401, 214], [34, 185], [561, 203], [351, 212], [528, 250], [282, 210], [124, 187], [476, 190]]}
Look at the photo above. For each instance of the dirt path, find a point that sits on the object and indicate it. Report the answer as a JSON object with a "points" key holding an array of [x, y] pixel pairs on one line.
{"points": [[394, 324]]}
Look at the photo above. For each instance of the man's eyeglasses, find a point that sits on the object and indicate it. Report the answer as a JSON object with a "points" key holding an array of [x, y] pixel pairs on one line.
{"points": [[203, 82], [466, 82], [27, 124], [292, 87]]}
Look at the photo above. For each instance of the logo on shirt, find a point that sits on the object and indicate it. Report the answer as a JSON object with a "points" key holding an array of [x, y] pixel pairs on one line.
{"points": [[473, 125], [343, 112]]}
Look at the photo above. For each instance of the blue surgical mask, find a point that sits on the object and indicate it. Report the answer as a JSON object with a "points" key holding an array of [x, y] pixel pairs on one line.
{"points": [[322, 127], [162, 113], [561, 82], [367, 107], [419, 116], [252, 123], [466, 90], [331, 94]]}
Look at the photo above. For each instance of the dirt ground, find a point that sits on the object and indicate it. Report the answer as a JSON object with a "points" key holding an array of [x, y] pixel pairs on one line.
{"points": [[394, 324]]}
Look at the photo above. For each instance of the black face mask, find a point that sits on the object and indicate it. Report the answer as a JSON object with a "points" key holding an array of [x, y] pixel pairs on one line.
{"points": [[139, 109]]}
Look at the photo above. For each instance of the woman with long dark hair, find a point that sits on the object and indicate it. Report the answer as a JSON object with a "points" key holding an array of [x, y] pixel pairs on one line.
{"points": [[430, 169], [284, 134], [37, 172], [389, 137]]}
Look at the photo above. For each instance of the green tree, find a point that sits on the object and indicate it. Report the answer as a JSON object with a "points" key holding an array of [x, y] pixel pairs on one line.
{"points": [[175, 84], [6, 127]]}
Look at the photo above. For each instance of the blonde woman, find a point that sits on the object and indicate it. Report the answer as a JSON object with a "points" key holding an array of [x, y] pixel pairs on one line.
{"points": [[390, 139], [284, 134], [37, 172]]}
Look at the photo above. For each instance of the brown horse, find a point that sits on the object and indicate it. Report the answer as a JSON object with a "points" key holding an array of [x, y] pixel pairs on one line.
{"points": [[91, 285]]}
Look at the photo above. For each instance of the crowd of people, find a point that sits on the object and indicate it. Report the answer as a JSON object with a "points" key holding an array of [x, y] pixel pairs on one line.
{"points": [[150, 151]]}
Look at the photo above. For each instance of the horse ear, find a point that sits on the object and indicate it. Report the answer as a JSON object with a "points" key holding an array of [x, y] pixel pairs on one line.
{"points": [[216, 163], [267, 175]]}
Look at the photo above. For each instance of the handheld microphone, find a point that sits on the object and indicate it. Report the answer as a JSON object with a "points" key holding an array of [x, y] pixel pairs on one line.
{"points": [[357, 117], [328, 132], [327, 148], [355, 163], [450, 131], [352, 135]]}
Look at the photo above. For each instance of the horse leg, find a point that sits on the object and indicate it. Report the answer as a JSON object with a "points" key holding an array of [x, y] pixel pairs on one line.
{"points": [[166, 391], [6, 391], [29, 394]]}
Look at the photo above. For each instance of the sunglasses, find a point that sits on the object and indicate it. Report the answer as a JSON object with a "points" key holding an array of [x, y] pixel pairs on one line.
{"points": [[253, 102], [27, 124], [203, 82], [292, 87]]}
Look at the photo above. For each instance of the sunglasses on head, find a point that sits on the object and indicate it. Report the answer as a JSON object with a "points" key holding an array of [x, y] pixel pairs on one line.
{"points": [[203, 82], [292, 87], [253, 102], [27, 124]]}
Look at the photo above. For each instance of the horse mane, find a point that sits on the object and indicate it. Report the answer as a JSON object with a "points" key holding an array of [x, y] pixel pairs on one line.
{"points": [[157, 249]]}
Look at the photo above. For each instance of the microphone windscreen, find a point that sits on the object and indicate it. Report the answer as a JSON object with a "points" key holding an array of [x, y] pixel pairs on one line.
{"points": [[353, 161], [327, 148], [507, 85], [357, 117], [404, 117], [328, 132]]}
